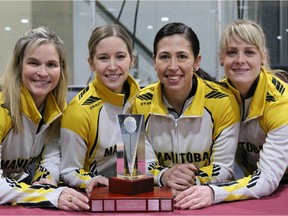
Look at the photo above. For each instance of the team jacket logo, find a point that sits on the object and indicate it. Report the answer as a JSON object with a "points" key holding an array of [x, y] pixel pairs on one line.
{"points": [[188, 157], [91, 100], [250, 147], [270, 98], [110, 151], [215, 94], [280, 88], [145, 98], [83, 92], [18, 163]]}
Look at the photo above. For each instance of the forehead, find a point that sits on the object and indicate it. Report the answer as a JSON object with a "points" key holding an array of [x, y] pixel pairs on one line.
{"points": [[38, 50], [238, 42], [175, 42], [112, 43]]}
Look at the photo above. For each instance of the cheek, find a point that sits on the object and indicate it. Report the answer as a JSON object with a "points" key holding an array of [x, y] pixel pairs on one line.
{"points": [[100, 68], [25, 72], [56, 75]]}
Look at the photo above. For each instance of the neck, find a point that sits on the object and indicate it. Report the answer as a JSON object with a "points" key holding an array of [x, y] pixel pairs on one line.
{"points": [[177, 98]]}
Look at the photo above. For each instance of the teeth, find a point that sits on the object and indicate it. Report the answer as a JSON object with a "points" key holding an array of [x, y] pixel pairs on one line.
{"points": [[40, 81], [173, 77], [240, 70], [113, 76]]}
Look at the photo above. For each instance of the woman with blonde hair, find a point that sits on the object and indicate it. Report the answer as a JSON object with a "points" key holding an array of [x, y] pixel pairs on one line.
{"points": [[263, 102], [89, 130], [32, 99]]}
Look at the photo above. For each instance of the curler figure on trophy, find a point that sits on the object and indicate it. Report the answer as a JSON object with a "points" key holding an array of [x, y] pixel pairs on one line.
{"points": [[131, 178]]}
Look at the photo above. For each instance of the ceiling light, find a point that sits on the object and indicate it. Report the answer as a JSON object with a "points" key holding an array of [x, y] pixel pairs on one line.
{"points": [[149, 27], [24, 21], [7, 28], [279, 37], [165, 19]]}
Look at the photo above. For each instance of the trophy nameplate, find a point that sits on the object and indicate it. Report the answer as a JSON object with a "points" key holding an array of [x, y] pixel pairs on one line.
{"points": [[158, 200], [131, 178]]}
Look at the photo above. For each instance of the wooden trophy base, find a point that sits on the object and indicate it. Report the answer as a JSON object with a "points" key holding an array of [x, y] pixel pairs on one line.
{"points": [[160, 199], [131, 186]]}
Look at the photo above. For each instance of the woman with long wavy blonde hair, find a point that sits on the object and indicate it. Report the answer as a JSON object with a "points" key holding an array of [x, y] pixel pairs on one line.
{"points": [[32, 99]]}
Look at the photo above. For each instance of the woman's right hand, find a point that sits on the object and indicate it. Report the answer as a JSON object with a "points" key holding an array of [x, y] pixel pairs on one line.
{"points": [[72, 200], [98, 181], [179, 177]]}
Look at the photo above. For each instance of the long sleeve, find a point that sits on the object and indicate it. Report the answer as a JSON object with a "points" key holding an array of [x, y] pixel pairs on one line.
{"points": [[50, 165], [265, 179], [16, 193], [74, 151]]}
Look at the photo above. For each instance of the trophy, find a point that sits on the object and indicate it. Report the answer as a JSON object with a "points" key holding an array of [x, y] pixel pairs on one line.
{"points": [[131, 190], [131, 178]]}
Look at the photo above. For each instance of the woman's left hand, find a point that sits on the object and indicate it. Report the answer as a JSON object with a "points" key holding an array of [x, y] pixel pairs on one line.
{"points": [[194, 197]]}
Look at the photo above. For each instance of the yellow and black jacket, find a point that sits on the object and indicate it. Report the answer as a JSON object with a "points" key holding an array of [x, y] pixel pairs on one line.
{"points": [[205, 134], [19, 151], [263, 141], [89, 133]]}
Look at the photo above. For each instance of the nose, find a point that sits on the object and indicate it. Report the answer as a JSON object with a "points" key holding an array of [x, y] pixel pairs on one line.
{"points": [[173, 64], [240, 58], [42, 70], [112, 64]]}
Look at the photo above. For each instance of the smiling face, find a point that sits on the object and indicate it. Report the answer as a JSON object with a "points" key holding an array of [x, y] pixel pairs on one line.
{"points": [[242, 64], [111, 63], [175, 63], [41, 71]]}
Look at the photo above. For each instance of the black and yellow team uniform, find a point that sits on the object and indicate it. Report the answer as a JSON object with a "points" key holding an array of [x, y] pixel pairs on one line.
{"points": [[205, 133], [263, 142], [19, 151], [90, 132]]}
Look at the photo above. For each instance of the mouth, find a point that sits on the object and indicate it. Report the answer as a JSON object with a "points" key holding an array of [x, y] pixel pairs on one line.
{"points": [[113, 76], [173, 78], [240, 70], [41, 82]]}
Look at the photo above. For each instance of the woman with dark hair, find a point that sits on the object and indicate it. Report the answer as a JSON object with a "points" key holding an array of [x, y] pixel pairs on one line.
{"points": [[192, 124]]}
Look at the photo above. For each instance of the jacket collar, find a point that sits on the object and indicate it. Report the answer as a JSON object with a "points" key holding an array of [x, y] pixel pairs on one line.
{"points": [[195, 109], [28, 107], [132, 88], [258, 98]]}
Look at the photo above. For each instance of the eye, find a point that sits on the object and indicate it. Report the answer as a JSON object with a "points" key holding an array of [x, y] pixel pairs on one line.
{"points": [[164, 57], [120, 57], [231, 53], [103, 58], [182, 57], [249, 53], [32, 62], [52, 64]]}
